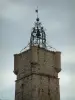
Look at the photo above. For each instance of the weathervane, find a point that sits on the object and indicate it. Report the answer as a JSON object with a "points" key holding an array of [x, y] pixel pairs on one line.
{"points": [[38, 36], [37, 11]]}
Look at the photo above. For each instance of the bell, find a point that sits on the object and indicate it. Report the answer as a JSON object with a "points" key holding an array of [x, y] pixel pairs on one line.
{"points": [[38, 33]]}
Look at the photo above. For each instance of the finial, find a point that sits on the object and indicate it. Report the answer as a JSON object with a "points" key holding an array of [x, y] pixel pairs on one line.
{"points": [[38, 36], [37, 11], [37, 19]]}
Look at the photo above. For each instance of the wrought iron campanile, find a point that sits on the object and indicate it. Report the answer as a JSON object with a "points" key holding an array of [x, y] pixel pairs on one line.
{"points": [[38, 36]]}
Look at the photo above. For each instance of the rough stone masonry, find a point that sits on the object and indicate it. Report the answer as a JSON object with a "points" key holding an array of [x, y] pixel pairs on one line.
{"points": [[37, 74]]}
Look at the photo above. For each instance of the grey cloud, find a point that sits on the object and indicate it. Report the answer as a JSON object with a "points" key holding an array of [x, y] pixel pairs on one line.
{"points": [[8, 94], [57, 17], [45, 2], [69, 68]]}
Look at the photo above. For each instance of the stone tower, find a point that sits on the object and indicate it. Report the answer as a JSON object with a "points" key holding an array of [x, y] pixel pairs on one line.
{"points": [[37, 69]]}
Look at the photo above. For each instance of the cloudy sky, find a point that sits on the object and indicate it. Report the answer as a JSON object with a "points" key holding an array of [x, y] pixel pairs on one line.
{"points": [[17, 18]]}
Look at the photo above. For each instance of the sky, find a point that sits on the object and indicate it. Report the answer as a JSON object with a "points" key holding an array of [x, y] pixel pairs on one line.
{"points": [[17, 18]]}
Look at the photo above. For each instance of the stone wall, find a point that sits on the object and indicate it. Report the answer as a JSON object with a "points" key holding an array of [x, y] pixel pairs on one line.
{"points": [[37, 74]]}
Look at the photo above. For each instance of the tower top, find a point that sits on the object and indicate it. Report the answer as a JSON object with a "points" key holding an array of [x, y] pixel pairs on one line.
{"points": [[38, 36], [37, 19]]}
